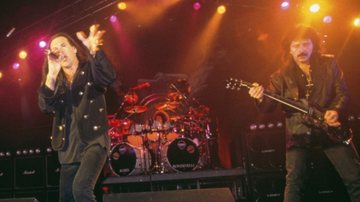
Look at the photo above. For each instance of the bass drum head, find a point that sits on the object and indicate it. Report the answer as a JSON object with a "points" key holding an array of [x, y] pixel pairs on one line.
{"points": [[126, 160], [182, 155]]}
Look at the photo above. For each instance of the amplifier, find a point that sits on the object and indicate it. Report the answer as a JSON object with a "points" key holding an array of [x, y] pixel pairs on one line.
{"points": [[19, 200], [29, 172], [36, 195], [6, 175], [267, 187], [52, 170], [265, 147]]}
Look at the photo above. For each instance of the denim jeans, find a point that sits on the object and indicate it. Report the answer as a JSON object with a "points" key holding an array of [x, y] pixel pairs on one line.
{"points": [[77, 181], [342, 158]]}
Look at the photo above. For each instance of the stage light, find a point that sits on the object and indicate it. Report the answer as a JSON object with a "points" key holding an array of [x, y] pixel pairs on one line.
{"points": [[314, 8], [122, 6], [285, 5], [113, 18], [221, 9], [1, 75], [22, 54], [42, 44], [196, 6], [16, 66], [327, 19], [356, 22]]}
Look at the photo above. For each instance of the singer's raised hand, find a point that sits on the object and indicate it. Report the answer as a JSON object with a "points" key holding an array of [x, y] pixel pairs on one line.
{"points": [[94, 40]]}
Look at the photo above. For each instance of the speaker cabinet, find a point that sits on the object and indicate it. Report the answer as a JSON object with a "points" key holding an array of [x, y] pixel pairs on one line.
{"points": [[268, 187], [6, 175], [52, 195], [19, 200], [6, 194], [265, 148], [29, 172], [52, 170], [40, 195], [198, 195]]}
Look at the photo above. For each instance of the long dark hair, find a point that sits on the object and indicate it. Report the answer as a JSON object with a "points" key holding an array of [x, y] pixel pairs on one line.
{"points": [[82, 55], [300, 31]]}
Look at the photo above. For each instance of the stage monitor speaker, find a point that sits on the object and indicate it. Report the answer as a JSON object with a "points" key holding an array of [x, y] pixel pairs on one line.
{"points": [[19, 200], [198, 195]]}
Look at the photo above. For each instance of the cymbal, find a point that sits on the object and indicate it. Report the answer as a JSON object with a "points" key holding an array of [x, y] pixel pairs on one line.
{"points": [[135, 109], [131, 98], [167, 105]]}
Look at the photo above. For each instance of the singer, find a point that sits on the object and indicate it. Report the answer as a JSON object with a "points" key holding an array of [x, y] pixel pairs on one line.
{"points": [[75, 78]]}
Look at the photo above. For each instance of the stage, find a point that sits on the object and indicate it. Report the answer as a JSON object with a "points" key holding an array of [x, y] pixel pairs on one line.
{"points": [[233, 179]]}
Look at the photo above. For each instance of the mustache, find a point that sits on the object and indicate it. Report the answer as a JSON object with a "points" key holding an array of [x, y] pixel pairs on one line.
{"points": [[302, 54]]}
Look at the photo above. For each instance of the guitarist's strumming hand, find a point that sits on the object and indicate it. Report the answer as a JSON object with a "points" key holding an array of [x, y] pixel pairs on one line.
{"points": [[257, 92], [331, 118]]}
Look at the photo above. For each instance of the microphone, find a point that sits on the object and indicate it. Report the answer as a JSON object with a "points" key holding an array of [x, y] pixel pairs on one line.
{"points": [[140, 86], [52, 54]]}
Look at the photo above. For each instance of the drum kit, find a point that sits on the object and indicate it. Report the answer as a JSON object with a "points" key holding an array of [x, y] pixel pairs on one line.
{"points": [[160, 133]]}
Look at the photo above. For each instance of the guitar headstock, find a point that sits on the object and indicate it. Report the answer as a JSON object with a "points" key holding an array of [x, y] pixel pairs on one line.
{"points": [[236, 84]]}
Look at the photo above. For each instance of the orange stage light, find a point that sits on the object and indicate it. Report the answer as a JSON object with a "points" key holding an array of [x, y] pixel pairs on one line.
{"points": [[356, 22], [221, 9], [1, 75], [22, 54], [122, 6]]}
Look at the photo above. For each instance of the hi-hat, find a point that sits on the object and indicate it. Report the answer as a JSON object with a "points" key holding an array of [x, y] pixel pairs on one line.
{"points": [[135, 109]]}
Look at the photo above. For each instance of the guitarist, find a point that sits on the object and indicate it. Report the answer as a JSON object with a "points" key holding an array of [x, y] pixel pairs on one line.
{"points": [[310, 77]]}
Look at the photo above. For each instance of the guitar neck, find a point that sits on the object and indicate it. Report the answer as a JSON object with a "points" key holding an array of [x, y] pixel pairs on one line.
{"points": [[284, 101]]}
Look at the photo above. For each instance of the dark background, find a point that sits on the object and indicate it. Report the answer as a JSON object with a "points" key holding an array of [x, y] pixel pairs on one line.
{"points": [[246, 45]]}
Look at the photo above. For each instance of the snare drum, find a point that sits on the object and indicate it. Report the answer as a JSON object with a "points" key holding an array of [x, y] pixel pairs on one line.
{"points": [[126, 159], [180, 155]]}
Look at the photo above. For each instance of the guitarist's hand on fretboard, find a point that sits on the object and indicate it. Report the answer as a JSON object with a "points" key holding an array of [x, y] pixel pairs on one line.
{"points": [[256, 91]]}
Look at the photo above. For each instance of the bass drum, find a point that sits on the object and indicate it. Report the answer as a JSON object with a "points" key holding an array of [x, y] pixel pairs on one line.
{"points": [[180, 155], [126, 159]]}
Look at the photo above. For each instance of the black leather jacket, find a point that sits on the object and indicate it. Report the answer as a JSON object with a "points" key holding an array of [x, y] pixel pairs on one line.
{"points": [[88, 88], [329, 92]]}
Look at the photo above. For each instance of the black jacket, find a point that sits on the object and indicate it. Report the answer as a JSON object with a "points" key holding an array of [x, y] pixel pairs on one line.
{"points": [[329, 92], [88, 88]]}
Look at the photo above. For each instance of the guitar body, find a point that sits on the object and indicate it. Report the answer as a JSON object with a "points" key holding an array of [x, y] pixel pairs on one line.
{"points": [[312, 116]]}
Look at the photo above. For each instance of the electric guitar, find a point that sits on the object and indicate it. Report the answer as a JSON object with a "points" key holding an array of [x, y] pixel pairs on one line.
{"points": [[312, 116]]}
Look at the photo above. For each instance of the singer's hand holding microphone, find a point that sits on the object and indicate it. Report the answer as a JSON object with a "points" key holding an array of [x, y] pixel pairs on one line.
{"points": [[54, 66]]}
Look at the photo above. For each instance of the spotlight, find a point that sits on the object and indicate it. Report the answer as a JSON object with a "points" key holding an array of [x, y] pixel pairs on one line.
{"points": [[253, 127], [16, 66], [314, 8], [262, 126], [113, 18], [22, 54], [221, 9], [42, 44], [196, 6], [285, 5], [356, 22], [122, 6], [1, 75], [327, 19]]}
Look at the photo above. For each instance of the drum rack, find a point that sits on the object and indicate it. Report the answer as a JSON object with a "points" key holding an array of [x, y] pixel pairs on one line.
{"points": [[228, 178]]}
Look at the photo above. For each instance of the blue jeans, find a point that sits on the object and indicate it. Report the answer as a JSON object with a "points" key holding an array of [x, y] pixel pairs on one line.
{"points": [[342, 158], [77, 181]]}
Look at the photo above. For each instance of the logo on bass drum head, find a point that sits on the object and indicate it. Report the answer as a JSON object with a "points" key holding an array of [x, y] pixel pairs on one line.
{"points": [[181, 144]]}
